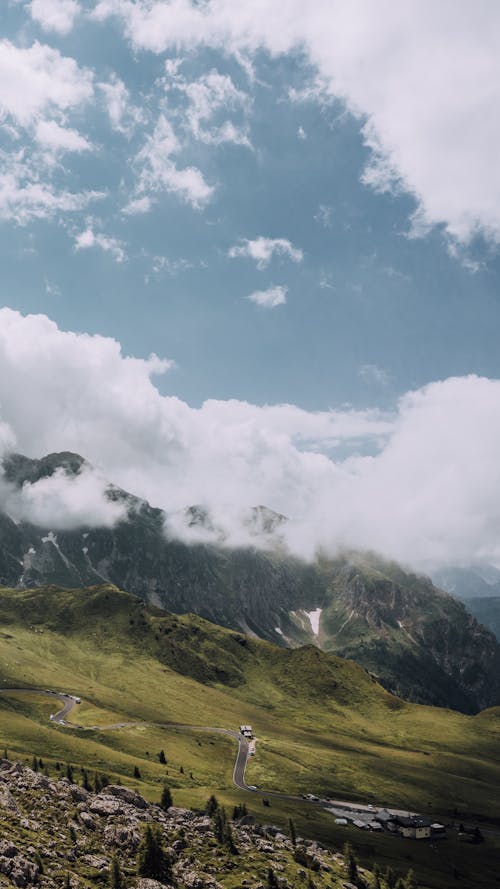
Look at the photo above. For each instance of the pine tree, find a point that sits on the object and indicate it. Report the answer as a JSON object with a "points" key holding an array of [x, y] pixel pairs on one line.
{"points": [[34, 764], [272, 882], [293, 833], [220, 819], [69, 773], [115, 874], [166, 798], [85, 781], [97, 783], [351, 865], [152, 860], [162, 757], [212, 805], [390, 877], [411, 880], [137, 773]]}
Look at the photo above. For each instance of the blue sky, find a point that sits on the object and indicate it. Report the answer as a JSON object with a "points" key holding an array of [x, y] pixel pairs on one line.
{"points": [[291, 206], [369, 312]]}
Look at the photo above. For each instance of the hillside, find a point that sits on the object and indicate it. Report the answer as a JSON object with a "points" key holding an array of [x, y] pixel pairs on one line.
{"points": [[417, 640], [323, 725], [54, 830], [486, 611]]}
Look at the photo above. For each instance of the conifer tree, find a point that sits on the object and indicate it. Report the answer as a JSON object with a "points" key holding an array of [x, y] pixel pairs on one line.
{"points": [[293, 833], [115, 875], [137, 773], [212, 805], [162, 757], [411, 880], [351, 865], [152, 860], [272, 882], [69, 773], [390, 877], [34, 764], [166, 798]]}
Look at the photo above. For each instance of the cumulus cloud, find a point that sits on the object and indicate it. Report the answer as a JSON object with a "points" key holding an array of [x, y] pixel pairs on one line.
{"points": [[124, 116], [63, 502], [421, 77], [39, 89], [25, 197], [55, 15], [207, 97], [262, 250], [88, 239], [426, 494], [37, 81], [270, 298], [51, 135], [158, 171]]}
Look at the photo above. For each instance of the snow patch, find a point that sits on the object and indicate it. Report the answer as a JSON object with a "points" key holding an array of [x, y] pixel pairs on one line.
{"points": [[278, 630], [314, 618]]}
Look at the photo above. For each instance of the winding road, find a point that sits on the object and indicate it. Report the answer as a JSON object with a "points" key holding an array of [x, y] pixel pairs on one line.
{"points": [[240, 764], [69, 702]]}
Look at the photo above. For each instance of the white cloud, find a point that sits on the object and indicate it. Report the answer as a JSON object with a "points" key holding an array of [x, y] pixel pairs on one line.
{"points": [[262, 250], [428, 495], [158, 171], [51, 135], [372, 373], [270, 298], [124, 116], [301, 133], [63, 502], [136, 206], [88, 239], [207, 96], [55, 15], [424, 79], [37, 81], [24, 197]]}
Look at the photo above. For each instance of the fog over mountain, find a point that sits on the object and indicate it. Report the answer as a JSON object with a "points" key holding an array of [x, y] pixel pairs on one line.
{"points": [[418, 484]]}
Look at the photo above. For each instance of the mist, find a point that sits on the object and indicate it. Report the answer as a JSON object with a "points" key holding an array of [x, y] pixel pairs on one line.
{"points": [[426, 494]]}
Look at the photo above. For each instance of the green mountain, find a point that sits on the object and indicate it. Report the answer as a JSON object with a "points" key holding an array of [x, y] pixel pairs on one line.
{"points": [[486, 611], [417, 640], [323, 725]]}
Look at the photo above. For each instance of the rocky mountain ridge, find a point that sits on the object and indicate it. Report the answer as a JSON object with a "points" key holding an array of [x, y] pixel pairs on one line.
{"points": [[418, 641], [56, 833]]}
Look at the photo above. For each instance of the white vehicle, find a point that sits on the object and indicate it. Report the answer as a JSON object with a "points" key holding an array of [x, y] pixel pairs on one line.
{"points": [[252, 787], [77, 700]]}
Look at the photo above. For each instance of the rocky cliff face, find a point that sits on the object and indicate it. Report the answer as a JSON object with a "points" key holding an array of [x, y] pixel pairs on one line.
{"points": [[420, 642], [54, 833]]}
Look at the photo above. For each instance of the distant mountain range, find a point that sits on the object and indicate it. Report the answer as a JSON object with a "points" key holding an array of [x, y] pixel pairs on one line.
{"points": [[418, 641]]}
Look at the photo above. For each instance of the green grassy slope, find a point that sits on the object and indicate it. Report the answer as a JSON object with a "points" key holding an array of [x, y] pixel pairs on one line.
{"points": [[324, 726]]}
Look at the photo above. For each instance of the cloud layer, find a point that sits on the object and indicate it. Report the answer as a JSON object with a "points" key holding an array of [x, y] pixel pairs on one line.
{"points": [[427, 494], [422, 77]]}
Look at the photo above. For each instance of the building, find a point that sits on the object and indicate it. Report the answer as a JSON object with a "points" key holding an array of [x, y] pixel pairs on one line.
{"points": [[414, 827]]}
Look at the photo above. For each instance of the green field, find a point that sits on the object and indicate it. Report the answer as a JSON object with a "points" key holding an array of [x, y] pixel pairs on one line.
{"points": [[323, 725]]}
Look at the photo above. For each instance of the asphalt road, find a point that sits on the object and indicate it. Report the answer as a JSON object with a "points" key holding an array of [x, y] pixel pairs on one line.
{"points": [[69, 703], [240, 763]]}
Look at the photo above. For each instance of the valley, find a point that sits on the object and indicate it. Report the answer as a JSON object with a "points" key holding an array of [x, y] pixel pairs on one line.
{"points": [[324, 725]]}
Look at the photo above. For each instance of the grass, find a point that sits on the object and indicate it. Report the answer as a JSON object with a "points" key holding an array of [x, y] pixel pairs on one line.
{"points": [[324, 726]]}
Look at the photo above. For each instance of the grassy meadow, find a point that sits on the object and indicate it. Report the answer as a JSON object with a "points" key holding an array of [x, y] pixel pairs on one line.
{"points": [[323, 725]]}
